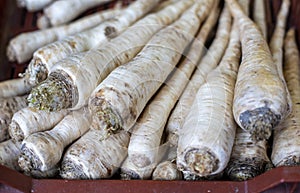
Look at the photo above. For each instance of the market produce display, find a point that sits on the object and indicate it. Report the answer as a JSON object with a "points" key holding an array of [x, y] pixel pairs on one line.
{"points": [[209, 61], [55, 14], [47, 56], [74, 79], [145, 150], [28, 121], [71, 127], [8, 107], [160, 89], [283, 153], [248, 157], [22, 47], [260, 96], [206, 138], [260, 17]]}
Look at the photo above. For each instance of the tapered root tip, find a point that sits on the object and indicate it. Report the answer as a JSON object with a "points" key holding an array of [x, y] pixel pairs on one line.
{"points": [[245, 169], [200, 162], [43, 22], [11, 53], [259, 122]]}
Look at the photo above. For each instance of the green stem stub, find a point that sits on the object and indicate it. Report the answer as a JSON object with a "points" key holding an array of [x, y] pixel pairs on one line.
{"points": [[54, 94]]}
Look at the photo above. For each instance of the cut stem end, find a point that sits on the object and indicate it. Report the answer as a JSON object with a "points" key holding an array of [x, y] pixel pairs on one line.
{"points": [[259, 122], [52, 94], [201, 162], [242, 170]]}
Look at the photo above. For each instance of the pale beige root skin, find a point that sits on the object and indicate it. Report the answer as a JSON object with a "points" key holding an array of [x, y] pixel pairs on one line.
{"points": [[5, 118], [209, 61], [207, 136], [9, 152], [260, 17], [138, 166], [28, 120], [57, 14], [286, 143], [8, 106], [166, 170], [127, 89], [14, 87], [43, 150], [130, 171], [34, 5], [276, 46], [43, 22], [94, 157], [245, 4], [98, 63], [248, 157], [92, 38], [260, 98], [164, 4], [147, 132], [13, 104], [21, 47]]}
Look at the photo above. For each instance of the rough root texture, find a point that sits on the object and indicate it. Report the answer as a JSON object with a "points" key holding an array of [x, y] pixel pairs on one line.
{"points": [[111, 32], [53, 94], [290, 161], [192, 177], [259, 122], [16, 132], [241, 170], [201, 163], [28, 160], [129, 175], [37, 72], [105, 118], [70, 170], [140, 160]]}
